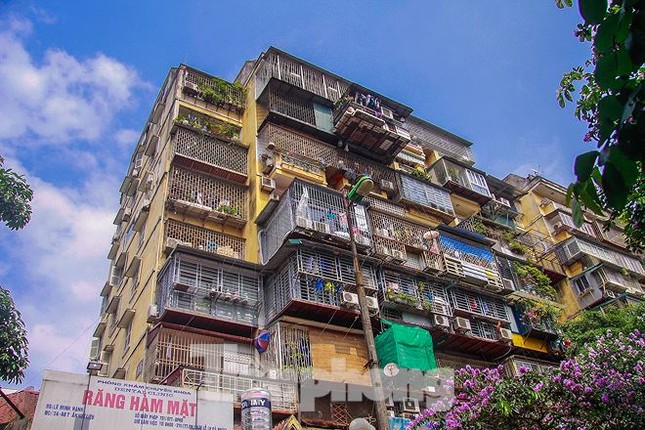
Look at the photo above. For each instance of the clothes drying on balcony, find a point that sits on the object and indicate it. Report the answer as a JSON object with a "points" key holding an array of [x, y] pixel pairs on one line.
{"points": [[462, 250]]}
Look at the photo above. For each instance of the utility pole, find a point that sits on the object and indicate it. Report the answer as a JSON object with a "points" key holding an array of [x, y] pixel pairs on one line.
{"points": [[361, 189]]}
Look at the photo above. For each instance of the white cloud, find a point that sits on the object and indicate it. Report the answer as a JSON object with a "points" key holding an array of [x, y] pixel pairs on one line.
{"points": [[127, 138], [58, 98]]}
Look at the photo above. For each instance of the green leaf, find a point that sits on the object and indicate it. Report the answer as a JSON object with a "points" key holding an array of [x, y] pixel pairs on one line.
{"points": [[570, 192], [584, 164], [593, 11], [605, 72], [624, 63], [576, 212], [614, 187], [606, 33], [589, 197], [627, 167]]}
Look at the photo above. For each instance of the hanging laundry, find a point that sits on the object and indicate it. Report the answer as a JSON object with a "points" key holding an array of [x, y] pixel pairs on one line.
{"points": [[319, 285], [261, 341]]}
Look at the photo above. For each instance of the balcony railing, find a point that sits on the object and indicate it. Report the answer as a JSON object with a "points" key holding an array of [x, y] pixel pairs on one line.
{"points": [[575, 248], [468, 260], [616, 281], [313, 210], [482, 306], [426, 196], [513, 366], [560, 221], [196, 150], [214, 90], [209, 288], [404, 232], [178, 233], [526, 286], [283, 393], [289, 356], [371, 129], [207, 197], [613, 234], [288, 69], [460, 180], [415, 292], [433, 138]]}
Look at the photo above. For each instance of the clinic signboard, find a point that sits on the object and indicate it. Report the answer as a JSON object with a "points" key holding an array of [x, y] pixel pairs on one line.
{"points": [[69, 401]]}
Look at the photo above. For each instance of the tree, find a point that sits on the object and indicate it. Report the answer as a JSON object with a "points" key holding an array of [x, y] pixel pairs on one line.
{"points": [[15, 195], [15, 212], [13, 340], [590, 324], [611, 96], [601, 388]]}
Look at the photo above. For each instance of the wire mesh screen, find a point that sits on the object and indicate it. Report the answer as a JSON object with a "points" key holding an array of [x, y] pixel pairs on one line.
{"points": [[291, 143], [207, 149], [205, 239], [231, 95], [479, 305], [484, 329], [192, 187], [292, 106]]}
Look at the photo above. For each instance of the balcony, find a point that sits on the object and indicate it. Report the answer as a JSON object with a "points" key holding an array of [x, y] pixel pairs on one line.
{"points": [[207, 198], [460, 180], [395, 237], [513, 365], [370, 128], [426, 197], [560, 221], [209, 154], [468, 260], [214, 91], [283, 393], [575, 248], [613, 234], [311, 283], [525, 281], [306, 210], [433, 138], [343, 164], [208, 294], [616, 281], [179, 233], [468, 304], [281, 66], [414, 294]]}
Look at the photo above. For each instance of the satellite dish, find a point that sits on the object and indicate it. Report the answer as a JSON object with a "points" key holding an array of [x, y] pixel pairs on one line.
{"points": [[391, 369]]}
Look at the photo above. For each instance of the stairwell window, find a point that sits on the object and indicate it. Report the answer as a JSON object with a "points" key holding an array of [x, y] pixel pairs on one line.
{"points": [[128, 335]]}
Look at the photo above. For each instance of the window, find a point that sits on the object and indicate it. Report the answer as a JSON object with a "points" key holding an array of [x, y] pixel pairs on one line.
{"points": [[135, 283], [582, 284], [142, 235], [116, 274], [477, 182], [128, 334]]}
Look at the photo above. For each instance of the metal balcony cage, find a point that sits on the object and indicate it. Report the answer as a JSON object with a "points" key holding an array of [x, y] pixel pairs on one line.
{"points": [[214, 90], [209, 154], [575, 248], [425, 195], [289, 354], [408, 233], [316, 211], [434, 139], [200, 194], [178, 233], [460, 180], [201, 123], [464, 258], [475, 304]]}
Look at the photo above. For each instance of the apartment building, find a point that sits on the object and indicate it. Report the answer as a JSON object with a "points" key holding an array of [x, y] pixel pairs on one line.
{"points": [[233, 222]]}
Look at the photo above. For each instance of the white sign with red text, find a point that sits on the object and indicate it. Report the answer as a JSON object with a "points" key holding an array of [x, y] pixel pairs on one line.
{"points": [[69, 401]]}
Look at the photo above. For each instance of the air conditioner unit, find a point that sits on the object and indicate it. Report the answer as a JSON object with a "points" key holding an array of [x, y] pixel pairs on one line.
{"points": [[399, 255], [362, 240], [191, 86], [304, 222], [267, 184], [274, 197], [350, 299], [508, 284], [153, 313], [610, 294], [441, 320], [387, 113], [462, 324], [322, 227], [372, 302], [505, 334], [410, 405], [387, 185]]}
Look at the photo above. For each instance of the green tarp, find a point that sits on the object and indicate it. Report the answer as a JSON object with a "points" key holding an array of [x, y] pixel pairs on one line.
{"points": [[407, 346]]}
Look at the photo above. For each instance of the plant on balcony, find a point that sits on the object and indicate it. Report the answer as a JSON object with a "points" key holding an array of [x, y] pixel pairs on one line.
{"points": [[222, 129], [401, 297], [537, 314], [535, 280], [218, 91], [229, 210], [478, 226]]}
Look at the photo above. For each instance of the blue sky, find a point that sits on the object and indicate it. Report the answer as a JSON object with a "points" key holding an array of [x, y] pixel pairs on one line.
{"points": [[77, 80]]}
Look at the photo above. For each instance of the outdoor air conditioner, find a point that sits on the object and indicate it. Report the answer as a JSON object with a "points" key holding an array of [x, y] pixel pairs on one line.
{"points": [[399, 255], [441, 320], [508, 284], [372, 302], [152, 313], [387, 113], [610, 294], [191, 86], [350, 299], [322, 227], [304, 222], [387, 185], [268, 184], [505, 334], [462, 324]]}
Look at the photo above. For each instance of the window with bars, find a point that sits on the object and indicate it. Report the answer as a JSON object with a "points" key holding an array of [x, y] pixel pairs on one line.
{"points": [[205, 239], [425, 194], [479, 305]]}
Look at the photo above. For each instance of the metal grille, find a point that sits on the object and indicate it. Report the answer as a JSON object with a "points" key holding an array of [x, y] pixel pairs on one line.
{"points": [[402, 231], [484, 329], [207, 149], [432, 139], [204, 239], [478, 305], [292, 143], [334, 268], [399, 283], [233, 96], [289, 353], [425, 194], [292, 106], [470, 252], [445, 171], [360, 165], [204, 190], [385, 206]]}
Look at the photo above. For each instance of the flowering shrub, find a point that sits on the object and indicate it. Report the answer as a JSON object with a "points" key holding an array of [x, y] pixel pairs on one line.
{"points": [[602, 388]]}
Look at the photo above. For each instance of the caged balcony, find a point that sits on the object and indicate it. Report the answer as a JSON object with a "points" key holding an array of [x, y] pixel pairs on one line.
{"points": [[394, 237], [433, 138], [207, 197], [209, 154], [213, 90], [205, 293], [574, 249], [371, 127], [425, 197], [307, 210], [461, 180], [315, 283], [525, 280], [183, 234]]}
